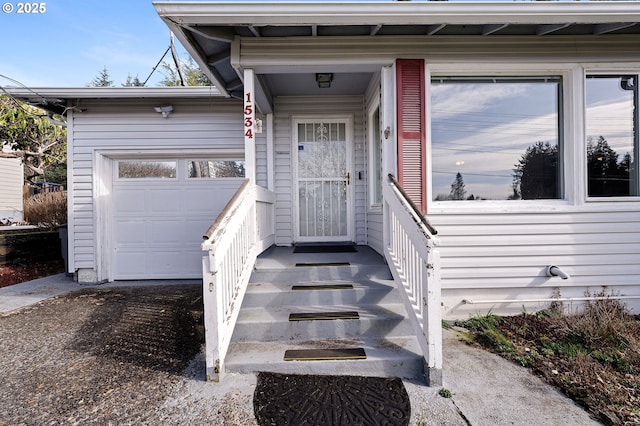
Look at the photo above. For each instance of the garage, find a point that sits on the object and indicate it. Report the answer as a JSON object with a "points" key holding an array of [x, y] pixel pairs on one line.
{"points": [[161, 208]]}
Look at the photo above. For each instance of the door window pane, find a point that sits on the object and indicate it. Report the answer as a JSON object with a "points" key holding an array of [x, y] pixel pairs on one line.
{"points": [[322, 150], [496, 138], [611, 119]]}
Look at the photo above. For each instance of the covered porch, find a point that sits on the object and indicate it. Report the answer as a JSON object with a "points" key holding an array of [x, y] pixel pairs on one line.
{"points": [[320, 162]]}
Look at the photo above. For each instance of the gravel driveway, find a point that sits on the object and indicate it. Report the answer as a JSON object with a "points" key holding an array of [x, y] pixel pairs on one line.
{"points": [[110, 356]]}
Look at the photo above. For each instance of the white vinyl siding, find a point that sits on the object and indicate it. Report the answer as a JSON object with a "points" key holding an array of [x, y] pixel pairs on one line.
{"points": [[262, 170], [134, 126], [502, 255], [285, 109], [11, 176]]}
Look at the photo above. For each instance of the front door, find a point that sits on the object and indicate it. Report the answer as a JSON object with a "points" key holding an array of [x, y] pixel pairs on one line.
{"points": [[322, 180]]}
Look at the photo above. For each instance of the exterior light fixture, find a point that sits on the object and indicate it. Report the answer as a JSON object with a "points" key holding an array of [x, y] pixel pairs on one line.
{"points": [[165, 110], [324, 80]]}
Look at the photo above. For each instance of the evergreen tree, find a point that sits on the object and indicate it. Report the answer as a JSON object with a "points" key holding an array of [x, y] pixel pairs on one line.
{"points": [[102, 79], [132, 82], [457, 188], [193, 75], [607, 178], [535, 177]]}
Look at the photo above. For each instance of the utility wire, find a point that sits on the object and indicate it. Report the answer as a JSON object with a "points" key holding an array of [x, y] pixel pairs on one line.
{"points": [[155, 67], [16, 101]]}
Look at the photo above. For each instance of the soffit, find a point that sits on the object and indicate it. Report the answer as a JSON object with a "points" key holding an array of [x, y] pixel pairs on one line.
{"points": [[208, 30]]}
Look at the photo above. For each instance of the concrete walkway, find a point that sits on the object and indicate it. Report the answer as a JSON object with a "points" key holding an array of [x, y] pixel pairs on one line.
{"points": [[486, 389]]}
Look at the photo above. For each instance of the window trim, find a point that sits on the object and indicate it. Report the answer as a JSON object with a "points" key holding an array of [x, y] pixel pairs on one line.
{"points": [[570, 121], [375, 105]]}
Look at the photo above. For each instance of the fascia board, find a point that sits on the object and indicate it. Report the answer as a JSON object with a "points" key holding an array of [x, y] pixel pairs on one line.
{"points": [[197, 56], [397, 13], [114, 92]]}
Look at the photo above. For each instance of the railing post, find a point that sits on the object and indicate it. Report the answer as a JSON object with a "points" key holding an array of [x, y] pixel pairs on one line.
{"points": [[432, 315], [386, 225], [212, 319]]}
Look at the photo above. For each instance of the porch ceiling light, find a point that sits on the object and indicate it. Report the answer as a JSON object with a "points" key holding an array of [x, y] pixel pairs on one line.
{"points": [[324, 80]]}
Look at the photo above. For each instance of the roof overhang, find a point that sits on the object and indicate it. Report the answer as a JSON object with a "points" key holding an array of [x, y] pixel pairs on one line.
{"points": [[57, 99], [208, 29]]}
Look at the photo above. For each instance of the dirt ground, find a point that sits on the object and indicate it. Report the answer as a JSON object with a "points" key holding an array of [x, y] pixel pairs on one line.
{"points": [[15, 274], [108, 356], [593, 356]]}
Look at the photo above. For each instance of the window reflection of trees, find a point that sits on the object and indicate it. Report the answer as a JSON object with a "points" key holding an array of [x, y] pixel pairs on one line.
{"points": [[215, 169], [612, 138], [134, 169], [484, 136], [609, 176]]}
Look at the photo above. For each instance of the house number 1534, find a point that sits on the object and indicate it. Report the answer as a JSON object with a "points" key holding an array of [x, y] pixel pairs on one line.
{"points": [[248, 116]]}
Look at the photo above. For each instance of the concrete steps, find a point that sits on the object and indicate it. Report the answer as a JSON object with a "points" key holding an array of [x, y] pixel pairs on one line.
{"points": [[264, 331], [272, 325], [392, 357]]}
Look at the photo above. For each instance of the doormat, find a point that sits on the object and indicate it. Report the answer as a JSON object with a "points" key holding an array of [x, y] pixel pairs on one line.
{"points": [[340, 248], [311, 264], [323, 287], [289, 399]]}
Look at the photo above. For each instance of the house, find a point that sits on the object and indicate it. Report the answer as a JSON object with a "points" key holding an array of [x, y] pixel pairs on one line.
{"points": [[511, 126], [12, 177]]}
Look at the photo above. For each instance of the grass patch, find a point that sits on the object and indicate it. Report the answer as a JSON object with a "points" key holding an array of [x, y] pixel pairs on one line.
{"points": [[445, 393], [486, 332], [592, 355]]}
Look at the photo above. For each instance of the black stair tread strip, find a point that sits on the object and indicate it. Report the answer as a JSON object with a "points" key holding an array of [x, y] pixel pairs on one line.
{"points": [[322, 287], [313, 316], [302, 264], [324, 354]]}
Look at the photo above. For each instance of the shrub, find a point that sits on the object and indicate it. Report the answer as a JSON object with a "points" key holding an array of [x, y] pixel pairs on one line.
{"points": [[46, 210]]}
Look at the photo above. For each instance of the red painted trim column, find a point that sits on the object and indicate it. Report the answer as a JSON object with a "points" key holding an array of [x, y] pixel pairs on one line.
{"points": [[412, 153]]}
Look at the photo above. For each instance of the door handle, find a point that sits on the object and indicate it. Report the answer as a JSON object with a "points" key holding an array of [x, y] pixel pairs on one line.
{"points": [[348, 178]]}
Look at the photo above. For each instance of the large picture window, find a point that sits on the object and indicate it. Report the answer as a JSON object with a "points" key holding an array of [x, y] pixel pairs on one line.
{"points": [[612, 137], [496, 138]]}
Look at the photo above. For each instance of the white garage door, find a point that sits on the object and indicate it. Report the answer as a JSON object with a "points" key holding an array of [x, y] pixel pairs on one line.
{"points": [[160, 211]]}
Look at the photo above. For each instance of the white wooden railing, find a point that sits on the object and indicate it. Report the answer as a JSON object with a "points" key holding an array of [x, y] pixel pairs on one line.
{"points": [[409, 247], [243, 230]]}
